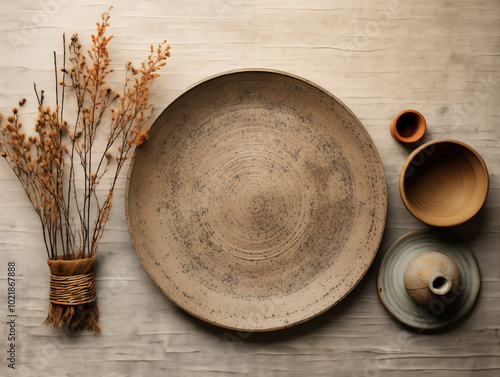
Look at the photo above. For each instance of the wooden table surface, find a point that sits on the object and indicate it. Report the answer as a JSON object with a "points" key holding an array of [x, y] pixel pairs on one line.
{"points": [[379, 57]]}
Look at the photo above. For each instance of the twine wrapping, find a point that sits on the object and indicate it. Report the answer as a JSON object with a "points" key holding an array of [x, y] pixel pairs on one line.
{"points": [[72, 290], [73, 298]]}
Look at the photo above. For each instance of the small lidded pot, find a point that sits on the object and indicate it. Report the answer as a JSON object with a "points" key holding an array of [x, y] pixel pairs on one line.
{"points": [[408, 126], [432, 279]]}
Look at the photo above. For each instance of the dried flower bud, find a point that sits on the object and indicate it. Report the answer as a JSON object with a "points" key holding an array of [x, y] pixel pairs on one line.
{"points": [[22, 102], [14, 110]]}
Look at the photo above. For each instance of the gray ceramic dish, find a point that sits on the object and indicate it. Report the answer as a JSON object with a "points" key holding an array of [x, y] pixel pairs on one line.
{"points": [[393, 293]]}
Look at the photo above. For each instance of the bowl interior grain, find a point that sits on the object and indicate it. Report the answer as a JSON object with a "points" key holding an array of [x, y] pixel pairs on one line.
{"points": [[444, 183]]}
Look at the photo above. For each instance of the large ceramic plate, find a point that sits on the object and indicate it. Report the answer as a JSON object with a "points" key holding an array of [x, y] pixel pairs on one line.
{"points": [[258, 202]]}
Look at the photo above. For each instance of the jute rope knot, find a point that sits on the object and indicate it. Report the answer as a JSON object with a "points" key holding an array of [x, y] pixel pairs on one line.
{"points": [[72, 290]]}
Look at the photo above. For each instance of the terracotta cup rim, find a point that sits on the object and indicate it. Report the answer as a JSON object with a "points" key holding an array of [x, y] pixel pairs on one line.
{"points": [[417, 130], [444, 221]]}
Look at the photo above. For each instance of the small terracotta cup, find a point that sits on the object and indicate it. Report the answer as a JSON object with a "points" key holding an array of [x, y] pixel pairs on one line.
{"points": [[408, 126]]}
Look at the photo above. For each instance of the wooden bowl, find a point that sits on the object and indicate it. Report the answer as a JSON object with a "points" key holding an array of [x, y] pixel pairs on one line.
{"points": [[444, 183]]}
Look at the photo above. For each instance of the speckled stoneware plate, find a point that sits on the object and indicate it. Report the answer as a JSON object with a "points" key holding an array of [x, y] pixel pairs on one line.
{"points": [[393, 293], [258, 202]]}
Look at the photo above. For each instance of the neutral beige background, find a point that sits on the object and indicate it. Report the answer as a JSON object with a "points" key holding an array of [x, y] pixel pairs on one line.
{"points": [[379, 57]]}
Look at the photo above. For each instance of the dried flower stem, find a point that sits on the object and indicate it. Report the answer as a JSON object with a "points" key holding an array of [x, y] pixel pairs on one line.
{"points": [[39, 162]]}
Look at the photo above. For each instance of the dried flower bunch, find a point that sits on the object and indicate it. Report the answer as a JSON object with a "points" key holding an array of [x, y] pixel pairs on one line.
{"points": [[51, 165]]}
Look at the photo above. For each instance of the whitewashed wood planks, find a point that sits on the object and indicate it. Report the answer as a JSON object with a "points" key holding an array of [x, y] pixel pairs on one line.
{"points": [[378, 57]]}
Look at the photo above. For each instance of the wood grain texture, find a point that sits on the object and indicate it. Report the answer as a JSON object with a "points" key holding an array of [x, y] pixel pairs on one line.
{"points": [[378, 57]]}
